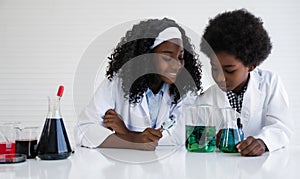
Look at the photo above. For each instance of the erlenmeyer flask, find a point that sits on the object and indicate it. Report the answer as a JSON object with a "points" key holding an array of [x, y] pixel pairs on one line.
{"points": [[54, 143], [230, 136]]}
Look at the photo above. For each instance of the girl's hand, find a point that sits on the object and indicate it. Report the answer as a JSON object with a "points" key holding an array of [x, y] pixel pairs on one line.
{"points": [[146, 140], [251, 147], [113, 121], [149, 137]]}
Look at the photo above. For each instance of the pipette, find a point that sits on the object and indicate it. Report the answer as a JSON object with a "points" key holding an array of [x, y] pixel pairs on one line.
{"points": [[168, 124]]}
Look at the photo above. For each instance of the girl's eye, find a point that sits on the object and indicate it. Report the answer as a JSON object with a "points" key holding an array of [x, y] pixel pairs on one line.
{"points": [[167, 59]]}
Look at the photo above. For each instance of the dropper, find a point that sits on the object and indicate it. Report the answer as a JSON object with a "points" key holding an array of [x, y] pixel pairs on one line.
{"points": [[60, 91], [59, 94]]}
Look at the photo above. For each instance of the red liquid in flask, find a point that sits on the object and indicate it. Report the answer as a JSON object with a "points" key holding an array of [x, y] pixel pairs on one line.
{"points": [[7, 148]]}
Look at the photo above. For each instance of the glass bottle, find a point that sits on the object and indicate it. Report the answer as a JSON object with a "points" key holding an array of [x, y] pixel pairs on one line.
{"points": [[230, 136], [54, 143]]}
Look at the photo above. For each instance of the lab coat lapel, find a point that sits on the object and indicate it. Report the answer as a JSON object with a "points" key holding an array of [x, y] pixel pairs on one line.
{"points": [[251, 102], [165, 105], [142, 109], [144, 106]]}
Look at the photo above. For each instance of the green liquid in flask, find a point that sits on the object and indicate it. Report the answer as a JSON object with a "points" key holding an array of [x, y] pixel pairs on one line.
{"points": [[200, 138]]}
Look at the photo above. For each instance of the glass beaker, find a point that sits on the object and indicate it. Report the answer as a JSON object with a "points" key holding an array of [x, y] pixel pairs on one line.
{"points": [[8, 137], [200, 128], [230, 135], [26, 141], [54, 142]]}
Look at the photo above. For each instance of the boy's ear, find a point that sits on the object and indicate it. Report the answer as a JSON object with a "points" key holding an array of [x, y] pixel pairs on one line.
{"points": [[251, 68]]}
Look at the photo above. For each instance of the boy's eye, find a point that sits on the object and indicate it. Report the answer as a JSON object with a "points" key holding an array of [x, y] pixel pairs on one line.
{"points": [[230, 72]]}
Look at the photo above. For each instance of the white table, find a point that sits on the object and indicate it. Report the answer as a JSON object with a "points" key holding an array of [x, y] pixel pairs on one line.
{"points": [[165, 162]]}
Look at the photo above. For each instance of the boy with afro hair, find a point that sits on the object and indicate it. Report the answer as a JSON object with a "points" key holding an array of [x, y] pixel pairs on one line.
{"points": [[236, 43]]}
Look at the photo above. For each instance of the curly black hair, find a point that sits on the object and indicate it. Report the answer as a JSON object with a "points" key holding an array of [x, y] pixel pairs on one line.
{"points": [[136, 45], [238, 33]]}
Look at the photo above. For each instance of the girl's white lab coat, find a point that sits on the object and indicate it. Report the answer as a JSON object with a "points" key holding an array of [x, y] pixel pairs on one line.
{"points": [[265, 108], [90, 131]]}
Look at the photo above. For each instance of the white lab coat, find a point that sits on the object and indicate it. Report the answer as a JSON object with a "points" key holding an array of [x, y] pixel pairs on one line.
{"points": [[90, 131], [265, 108]]}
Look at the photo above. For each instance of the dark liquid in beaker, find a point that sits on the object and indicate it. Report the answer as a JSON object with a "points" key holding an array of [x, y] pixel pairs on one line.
{"points": [[229, 139], [200, 138], [27, 147], [54, 143]]}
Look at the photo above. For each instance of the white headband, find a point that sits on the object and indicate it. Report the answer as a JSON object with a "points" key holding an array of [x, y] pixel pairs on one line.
{"points": [[167, 34]]}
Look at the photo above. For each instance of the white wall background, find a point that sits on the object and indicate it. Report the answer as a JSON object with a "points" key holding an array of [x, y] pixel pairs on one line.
{"points": [[42, 42]]}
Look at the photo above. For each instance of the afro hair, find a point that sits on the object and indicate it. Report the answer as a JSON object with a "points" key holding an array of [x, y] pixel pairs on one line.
{"points": [[238, 33]]}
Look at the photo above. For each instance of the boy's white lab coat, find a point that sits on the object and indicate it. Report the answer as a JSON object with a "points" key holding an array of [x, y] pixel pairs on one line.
{"points": [[90, 131], [264, 113]]}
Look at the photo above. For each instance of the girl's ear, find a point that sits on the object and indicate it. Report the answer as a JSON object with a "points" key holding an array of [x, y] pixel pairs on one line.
{"points": [[182, 64], [251, 68]]}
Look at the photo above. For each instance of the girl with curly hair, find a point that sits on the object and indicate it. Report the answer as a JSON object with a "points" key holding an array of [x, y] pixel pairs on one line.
{"points": [[150, 72], [236, 43]]}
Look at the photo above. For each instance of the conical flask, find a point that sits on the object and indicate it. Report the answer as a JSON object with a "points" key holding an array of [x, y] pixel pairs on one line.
{"points": [[54, 143], [230, 136]]}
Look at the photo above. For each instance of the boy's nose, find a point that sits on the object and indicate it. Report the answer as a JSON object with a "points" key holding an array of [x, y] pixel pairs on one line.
{"points": [[219, 77]]}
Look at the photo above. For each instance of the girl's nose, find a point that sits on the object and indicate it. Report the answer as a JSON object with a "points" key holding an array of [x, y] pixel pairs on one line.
{"points": [[176, 64]]}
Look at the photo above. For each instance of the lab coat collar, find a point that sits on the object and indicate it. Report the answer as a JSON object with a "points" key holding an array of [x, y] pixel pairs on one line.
{"points": [[161, 91]]}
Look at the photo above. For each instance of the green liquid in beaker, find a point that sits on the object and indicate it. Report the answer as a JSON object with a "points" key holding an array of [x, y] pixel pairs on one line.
{"points": [[200, 138], [228, 141]]}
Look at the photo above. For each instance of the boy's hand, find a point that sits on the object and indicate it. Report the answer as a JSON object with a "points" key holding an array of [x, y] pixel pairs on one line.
{"points": [[113, 121], [251, 147]]}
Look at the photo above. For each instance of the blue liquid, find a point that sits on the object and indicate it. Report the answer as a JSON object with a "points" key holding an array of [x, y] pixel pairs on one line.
{"points": [[241, 134], [54, 143], [229, 139]]}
